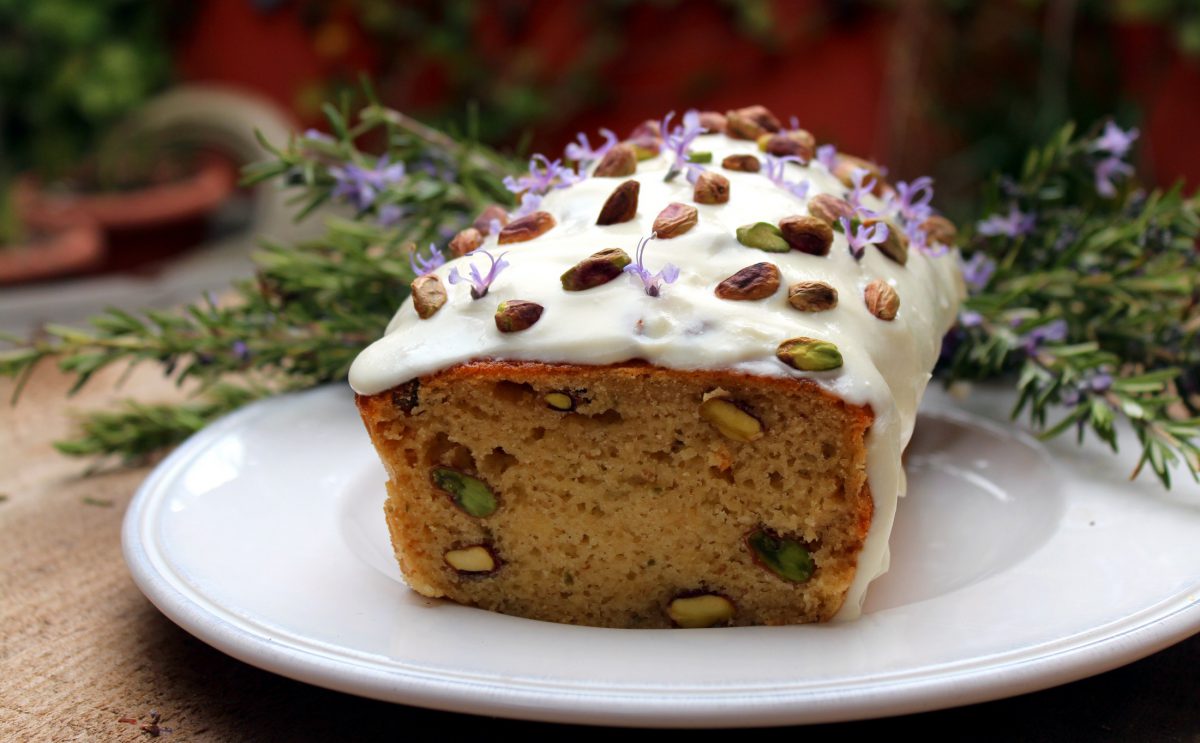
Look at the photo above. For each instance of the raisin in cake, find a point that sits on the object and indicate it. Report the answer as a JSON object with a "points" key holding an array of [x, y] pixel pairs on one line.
{"points": [[671, 389]]}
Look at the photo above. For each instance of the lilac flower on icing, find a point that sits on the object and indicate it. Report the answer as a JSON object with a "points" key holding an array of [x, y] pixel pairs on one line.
{"points": [[859, 191], [423, 266], [651, 282], [776, 171], [582, 152], [1108, 169], [1054, 332], [544, 175], [1015, 224], [530, 203], [361, 186], [861, 236], [1115, 140], [480, 283], [827, 156], [677, 143], [911, 201], [977, 271]]}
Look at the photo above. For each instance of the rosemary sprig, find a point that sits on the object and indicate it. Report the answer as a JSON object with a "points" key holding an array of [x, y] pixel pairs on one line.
{"points": [[1089, 294]]}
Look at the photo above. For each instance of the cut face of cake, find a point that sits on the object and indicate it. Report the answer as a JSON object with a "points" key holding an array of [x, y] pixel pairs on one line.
{"points": [[668, 391]]}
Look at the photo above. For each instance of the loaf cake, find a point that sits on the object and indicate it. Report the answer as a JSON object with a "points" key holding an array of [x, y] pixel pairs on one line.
{"points": [[671, 389]]}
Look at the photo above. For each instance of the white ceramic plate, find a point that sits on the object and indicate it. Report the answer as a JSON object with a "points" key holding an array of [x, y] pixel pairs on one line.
{"points": [[1016, 567]]}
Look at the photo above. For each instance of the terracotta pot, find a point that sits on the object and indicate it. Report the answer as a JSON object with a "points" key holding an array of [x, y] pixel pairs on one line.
{"points": [[140, 225], [54, 251]]}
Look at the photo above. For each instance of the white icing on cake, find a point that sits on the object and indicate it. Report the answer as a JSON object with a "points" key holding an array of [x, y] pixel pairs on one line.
{"points": [[886, 364]]}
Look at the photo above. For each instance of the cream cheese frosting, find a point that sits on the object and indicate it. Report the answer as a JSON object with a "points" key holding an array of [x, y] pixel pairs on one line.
{"points": [[886, 365]]}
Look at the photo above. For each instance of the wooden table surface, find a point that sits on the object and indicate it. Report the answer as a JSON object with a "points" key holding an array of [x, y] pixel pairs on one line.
{"points": [[84, 656]]}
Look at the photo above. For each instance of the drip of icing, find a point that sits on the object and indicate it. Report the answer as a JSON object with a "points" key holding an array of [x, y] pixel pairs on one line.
{"points": [[886, 365]]}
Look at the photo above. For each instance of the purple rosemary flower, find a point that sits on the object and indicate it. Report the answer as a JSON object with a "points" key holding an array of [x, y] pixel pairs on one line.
{"points": [[530, 203], [1094, 383], [1054, 332], [1115, 140], [480, 284], [361, 186], [677, 142], [240, 351], [911, 201], [544, 175], [970, 319], [861, 188], [862, 236], [977, 271], [776, 170], [651, 282], [423, 266], [583, 153], [391, 214], [1015, 224], [1108, 169], [827, 156], [317, 136]]}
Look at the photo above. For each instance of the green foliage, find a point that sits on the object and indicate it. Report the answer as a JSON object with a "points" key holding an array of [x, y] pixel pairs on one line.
{"points": [[69, 69], [1120, 277]]}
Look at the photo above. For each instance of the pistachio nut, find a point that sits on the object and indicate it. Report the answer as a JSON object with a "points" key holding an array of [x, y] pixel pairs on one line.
{"points": [[809, 354], [470, 494]]}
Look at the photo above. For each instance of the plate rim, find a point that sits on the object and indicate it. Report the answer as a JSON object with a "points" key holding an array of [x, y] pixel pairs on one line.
{"points": [[1034, 668]]}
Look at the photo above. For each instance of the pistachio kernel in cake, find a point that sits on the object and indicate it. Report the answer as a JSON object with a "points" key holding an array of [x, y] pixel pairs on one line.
{"points": [[711, 188], [742, 163], [750, 123], [619, 162], [809, 354], [466, 241], [732, 421], [787, 558], [675, 220], [828, 208], [428, 295], [621, 205], [470, 494], [515, 315], [700, 158], [882, 300], [526, 228], [477, 559], [595, 270], [561, 401], [764, 236], [701, 610], [483, 222], [895, 245], [758, 281], [807, 234], [812, 296]]}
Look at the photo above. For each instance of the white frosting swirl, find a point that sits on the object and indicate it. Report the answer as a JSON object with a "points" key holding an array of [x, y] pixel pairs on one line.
{"points": [[886, 364]]}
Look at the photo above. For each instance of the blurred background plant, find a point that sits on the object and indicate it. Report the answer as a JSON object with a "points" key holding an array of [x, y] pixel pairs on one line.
{"points": [[70, 70]]}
